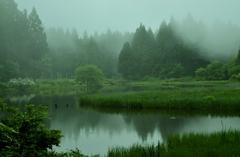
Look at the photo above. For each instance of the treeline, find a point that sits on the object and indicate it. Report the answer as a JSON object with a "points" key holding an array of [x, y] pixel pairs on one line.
{"points": [[175, 50], [23, 43], [68, 51], [29, 50], [179, 50], [163, 56]]}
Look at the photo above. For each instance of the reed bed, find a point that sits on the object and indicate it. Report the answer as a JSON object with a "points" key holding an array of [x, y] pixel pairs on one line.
{"points": [[192, 99], [216, 144]]}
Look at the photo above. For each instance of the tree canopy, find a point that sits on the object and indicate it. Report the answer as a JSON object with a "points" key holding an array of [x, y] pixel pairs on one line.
{"points": [[89, 74]]}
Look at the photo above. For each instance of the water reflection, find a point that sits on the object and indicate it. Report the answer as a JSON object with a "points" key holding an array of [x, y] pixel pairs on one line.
{"points": [[20, 99], [94, 132]]}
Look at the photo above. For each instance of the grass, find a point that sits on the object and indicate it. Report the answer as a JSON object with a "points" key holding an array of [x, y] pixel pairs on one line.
{"points": [[216, 144], [227, 99]]}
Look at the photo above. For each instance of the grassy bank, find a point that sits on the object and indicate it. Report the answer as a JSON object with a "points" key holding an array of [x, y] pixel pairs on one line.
{"points": [[227, 99], [224, 143]]}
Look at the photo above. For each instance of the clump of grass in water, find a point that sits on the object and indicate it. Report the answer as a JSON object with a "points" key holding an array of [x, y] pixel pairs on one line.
{"points": [[172, 99], [136, 150]]}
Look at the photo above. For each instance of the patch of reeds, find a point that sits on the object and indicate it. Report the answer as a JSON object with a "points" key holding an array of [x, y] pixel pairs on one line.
{"points": [[168, 100], [137, 150], [224, 143]]}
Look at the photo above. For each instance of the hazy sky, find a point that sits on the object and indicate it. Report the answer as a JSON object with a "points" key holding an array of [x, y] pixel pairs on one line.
{"points": [[126, 15]]}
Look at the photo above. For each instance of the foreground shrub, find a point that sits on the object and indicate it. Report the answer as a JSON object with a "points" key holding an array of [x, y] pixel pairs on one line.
{"points": [[25, 133]]}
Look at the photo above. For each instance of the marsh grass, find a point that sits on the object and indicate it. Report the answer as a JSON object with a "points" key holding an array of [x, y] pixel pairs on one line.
{"points": [[217, 100], [136, 150], [223, 143]]}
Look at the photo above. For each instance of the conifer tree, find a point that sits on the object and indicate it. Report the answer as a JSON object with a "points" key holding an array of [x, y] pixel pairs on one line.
{"points": [[39, 43], [126, 61], [143, 50]]}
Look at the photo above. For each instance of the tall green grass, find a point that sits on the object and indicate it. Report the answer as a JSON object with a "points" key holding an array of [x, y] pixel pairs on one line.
{"points": [[227, 99], [217, 144], [137, 150]]}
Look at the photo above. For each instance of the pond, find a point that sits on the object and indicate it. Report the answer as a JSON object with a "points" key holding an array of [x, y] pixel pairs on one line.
{"points": [[94, 132]]}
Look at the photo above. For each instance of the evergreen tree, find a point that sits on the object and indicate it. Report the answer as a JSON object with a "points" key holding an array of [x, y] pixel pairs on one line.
{"points": [[39, 42], [74, 35], [164, 47], [238, 57], [126, 61], [93, 53], [85, 35], [23, 52], [143, 49], [172, 51], [161, 38], [14, 37], [8, 27]]}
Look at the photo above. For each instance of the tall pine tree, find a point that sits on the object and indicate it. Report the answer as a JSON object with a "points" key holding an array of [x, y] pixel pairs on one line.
{"points": [[126, 61], [143, 49], [39, 43]]}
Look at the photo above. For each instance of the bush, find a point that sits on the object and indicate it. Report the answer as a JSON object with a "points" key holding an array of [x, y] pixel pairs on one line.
{"points": [[200, 74], [21, 84], [150, 78], [214, 71], [112, 82], [25, 133], [89, 74]]}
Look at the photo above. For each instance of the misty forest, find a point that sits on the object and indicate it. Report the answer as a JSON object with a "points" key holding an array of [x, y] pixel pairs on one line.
{"points": [[184, 68], [176, 49]]}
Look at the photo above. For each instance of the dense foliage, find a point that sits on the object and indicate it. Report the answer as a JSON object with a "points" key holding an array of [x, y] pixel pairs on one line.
{"points": [[213, 71], [25, 133]]}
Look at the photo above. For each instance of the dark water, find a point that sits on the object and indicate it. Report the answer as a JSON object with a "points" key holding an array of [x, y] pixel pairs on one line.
{"points": [[94, 132]]}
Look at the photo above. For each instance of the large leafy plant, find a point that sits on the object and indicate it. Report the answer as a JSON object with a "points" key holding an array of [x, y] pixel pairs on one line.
{"points": [[25, 133]]}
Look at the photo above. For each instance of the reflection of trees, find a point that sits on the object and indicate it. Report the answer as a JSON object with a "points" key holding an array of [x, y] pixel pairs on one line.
{"points": [[73, 121], [168, 126], [19, 100], [76, 121], [87, 121], [22, 98], [146, 124]]}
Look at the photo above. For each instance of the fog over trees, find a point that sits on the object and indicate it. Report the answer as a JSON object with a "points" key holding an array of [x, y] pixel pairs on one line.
{"points": [[176, 49]]}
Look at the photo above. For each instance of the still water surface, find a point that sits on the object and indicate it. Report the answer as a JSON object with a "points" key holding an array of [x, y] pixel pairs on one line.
{"points": [[94, 132]]}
